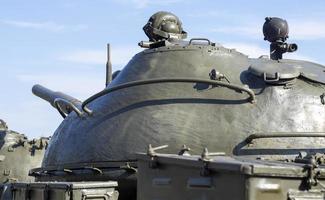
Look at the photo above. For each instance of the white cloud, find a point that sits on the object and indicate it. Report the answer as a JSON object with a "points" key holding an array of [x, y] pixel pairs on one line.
{"points": [[78, 85], [31, 117], [27, 113], [298, 56], [299, 29], [213, 13], [140, 4], [85, 57], [252, 50], [255, 51], [48, 26], [247, 30], [120, 56], [306, 30]]}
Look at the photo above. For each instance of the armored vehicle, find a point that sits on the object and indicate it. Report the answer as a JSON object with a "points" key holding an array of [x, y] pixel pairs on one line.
{"points": [[264, 117], [18, 154]]}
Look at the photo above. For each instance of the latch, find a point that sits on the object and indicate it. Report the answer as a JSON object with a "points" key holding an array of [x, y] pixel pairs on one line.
{"points": [[206, 158], [152, 153], [184, 151], [322, 98], [127, 167], [6, 172]]}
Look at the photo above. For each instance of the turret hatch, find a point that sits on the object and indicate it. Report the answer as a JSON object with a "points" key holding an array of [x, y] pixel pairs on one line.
{"points": [[274, 72]]}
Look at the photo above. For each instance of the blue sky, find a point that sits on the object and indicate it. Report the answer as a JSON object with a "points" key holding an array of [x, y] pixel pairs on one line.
{"points": [[61, 44]]}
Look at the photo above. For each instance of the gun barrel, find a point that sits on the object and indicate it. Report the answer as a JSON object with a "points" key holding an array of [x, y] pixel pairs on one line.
{"points": [[50, 96]]}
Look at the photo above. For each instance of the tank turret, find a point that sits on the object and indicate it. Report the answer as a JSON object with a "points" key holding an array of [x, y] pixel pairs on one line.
{"points": [[192, 92]]}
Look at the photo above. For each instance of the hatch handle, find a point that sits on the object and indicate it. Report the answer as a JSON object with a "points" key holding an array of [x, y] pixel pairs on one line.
{"points": [[271, 80], [96, 196], [200, 39]]}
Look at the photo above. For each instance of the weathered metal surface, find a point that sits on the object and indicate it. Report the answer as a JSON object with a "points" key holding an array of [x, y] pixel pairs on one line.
{"points": [[170, 176], [61, 191], [272, 70], [125, 121], [18, 155], [201, 94], [309, 70]]}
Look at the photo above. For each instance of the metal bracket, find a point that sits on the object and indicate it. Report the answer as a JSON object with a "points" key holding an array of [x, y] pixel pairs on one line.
{"points": [[184, 151], [127, 167], [322, 98], [151, 150], [205, 156], [311, 164], [216, 75], [311, 179], [11, 149], [152, 153]]}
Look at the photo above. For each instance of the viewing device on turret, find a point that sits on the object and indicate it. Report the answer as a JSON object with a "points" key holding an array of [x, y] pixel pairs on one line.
{"points": [[276, 31]]}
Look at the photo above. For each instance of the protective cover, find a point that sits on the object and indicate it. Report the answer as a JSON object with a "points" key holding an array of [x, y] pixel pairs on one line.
{"points": [[309, 70], [64, 190], [273, 70], [175, 177]]}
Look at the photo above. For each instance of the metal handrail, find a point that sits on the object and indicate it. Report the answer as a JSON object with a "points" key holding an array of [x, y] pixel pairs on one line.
{"points": [[250, 138], [71, 105], [199, 39], [251, 94], [99, 168]]}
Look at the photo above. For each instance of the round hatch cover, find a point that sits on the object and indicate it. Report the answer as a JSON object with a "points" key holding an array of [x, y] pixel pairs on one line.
{"points": [[309, 70], [273, 71]]}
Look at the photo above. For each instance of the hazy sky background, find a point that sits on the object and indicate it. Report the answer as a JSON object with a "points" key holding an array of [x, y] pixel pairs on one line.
{"points": [[62, 44]]}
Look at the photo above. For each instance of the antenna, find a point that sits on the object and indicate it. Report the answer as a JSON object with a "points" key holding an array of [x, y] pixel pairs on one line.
{"points": [[108, 66]]}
